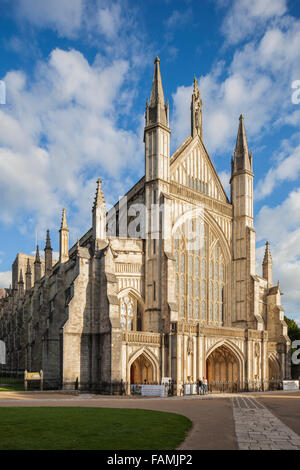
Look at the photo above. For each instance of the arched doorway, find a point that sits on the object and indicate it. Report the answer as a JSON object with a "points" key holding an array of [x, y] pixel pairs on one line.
{"points": [[222, 370], [141, 371], [274, 373], [274, 369]]}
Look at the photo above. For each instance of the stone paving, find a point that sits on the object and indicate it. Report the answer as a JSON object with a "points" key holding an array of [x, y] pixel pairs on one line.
{"points": [[258, 429]]}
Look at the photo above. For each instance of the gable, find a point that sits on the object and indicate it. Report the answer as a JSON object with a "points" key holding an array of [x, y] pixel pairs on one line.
{"points": [[191, 166]]}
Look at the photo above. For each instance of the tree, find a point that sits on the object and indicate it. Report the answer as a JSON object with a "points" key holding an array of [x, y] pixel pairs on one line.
{"points": [[293, 329]]}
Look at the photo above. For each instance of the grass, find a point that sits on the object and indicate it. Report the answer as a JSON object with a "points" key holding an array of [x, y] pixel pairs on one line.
{"points": [[61, 428], [11, 387]]}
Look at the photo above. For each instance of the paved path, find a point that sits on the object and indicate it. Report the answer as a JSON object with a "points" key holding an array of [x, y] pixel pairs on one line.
{"points": [[258, 429], [240, 421], [285, 406]]}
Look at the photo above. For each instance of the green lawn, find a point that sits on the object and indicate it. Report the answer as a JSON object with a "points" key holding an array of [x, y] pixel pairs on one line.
{"points": [[90, 429], [9, 384], [12, 388]]}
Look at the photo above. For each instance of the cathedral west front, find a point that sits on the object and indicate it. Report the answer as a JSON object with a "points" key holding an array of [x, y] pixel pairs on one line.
{"points": [[163, 285]]}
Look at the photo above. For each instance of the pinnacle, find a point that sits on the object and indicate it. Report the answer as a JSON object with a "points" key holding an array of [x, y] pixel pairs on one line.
{"points": [[241, 152], [99, 198], [64, 220], [48, 242], [195, 85], [157, 94], [267, 257], [156, 110], [37, 255], [241, 141], [28, 270]]}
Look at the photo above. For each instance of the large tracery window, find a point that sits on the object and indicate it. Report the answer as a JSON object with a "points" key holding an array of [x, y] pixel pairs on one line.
{"points": [[200, 274]]}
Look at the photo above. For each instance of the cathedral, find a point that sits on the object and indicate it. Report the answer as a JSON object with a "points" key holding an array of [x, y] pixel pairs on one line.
{"points": [[162, 287]]}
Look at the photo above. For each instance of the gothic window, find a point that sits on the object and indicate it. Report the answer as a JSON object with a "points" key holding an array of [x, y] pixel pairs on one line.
{"points": [[200, 274], [130, 314]]}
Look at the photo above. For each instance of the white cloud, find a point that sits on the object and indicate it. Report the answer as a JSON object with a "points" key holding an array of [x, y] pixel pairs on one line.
{"points": [[257, 83], [225, 178], [110, 20], [65, 16], [280, 226], [223, 101], [68, 135], [180, 122], [5, 279], [178, 18], [287, 169], [245, 18]]}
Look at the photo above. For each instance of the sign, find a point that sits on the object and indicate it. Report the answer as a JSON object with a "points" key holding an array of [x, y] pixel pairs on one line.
{"points": [[187, 389], [33, 376], [153, 390], [291, 385]]}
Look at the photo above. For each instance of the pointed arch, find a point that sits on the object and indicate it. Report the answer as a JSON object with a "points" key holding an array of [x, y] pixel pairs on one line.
{"points": [[237, 353], [138, 318], [131, 291], [203, 281], [274, 365], [213, 224], [150, 356]]}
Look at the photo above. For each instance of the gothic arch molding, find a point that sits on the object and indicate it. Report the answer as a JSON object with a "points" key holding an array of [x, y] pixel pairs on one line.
{"points": [[133, 292], [206, 217], [234, 350], [274, 367], [139, 308], [150, 357]]}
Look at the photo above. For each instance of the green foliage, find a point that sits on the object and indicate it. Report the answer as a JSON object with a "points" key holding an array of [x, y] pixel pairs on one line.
{"points": [[79, 428], [293, 329]]}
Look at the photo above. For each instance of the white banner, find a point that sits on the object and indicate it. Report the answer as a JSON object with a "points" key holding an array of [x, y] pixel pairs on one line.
{"points": [[291, 385], [153, 390], [2, 352]]}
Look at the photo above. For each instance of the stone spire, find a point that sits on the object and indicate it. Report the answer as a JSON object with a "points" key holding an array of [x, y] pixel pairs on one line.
{"points": [[48, 255], [156, 111], [196, 111], [242, 160], [64, 224], [63, 239], [99, 214], [267, 266], [21, 284], [28, 276], [37, 265], [99, 198]]}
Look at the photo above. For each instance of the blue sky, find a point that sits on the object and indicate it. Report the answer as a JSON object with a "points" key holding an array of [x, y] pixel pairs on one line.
{"points": [[77, 76]]}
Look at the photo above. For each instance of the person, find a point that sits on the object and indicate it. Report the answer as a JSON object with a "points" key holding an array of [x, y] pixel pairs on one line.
{"points": [[205, 383], [200, 387]]}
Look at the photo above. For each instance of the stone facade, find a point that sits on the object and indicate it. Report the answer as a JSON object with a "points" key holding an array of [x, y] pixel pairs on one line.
{"points": [[163, 285]]}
